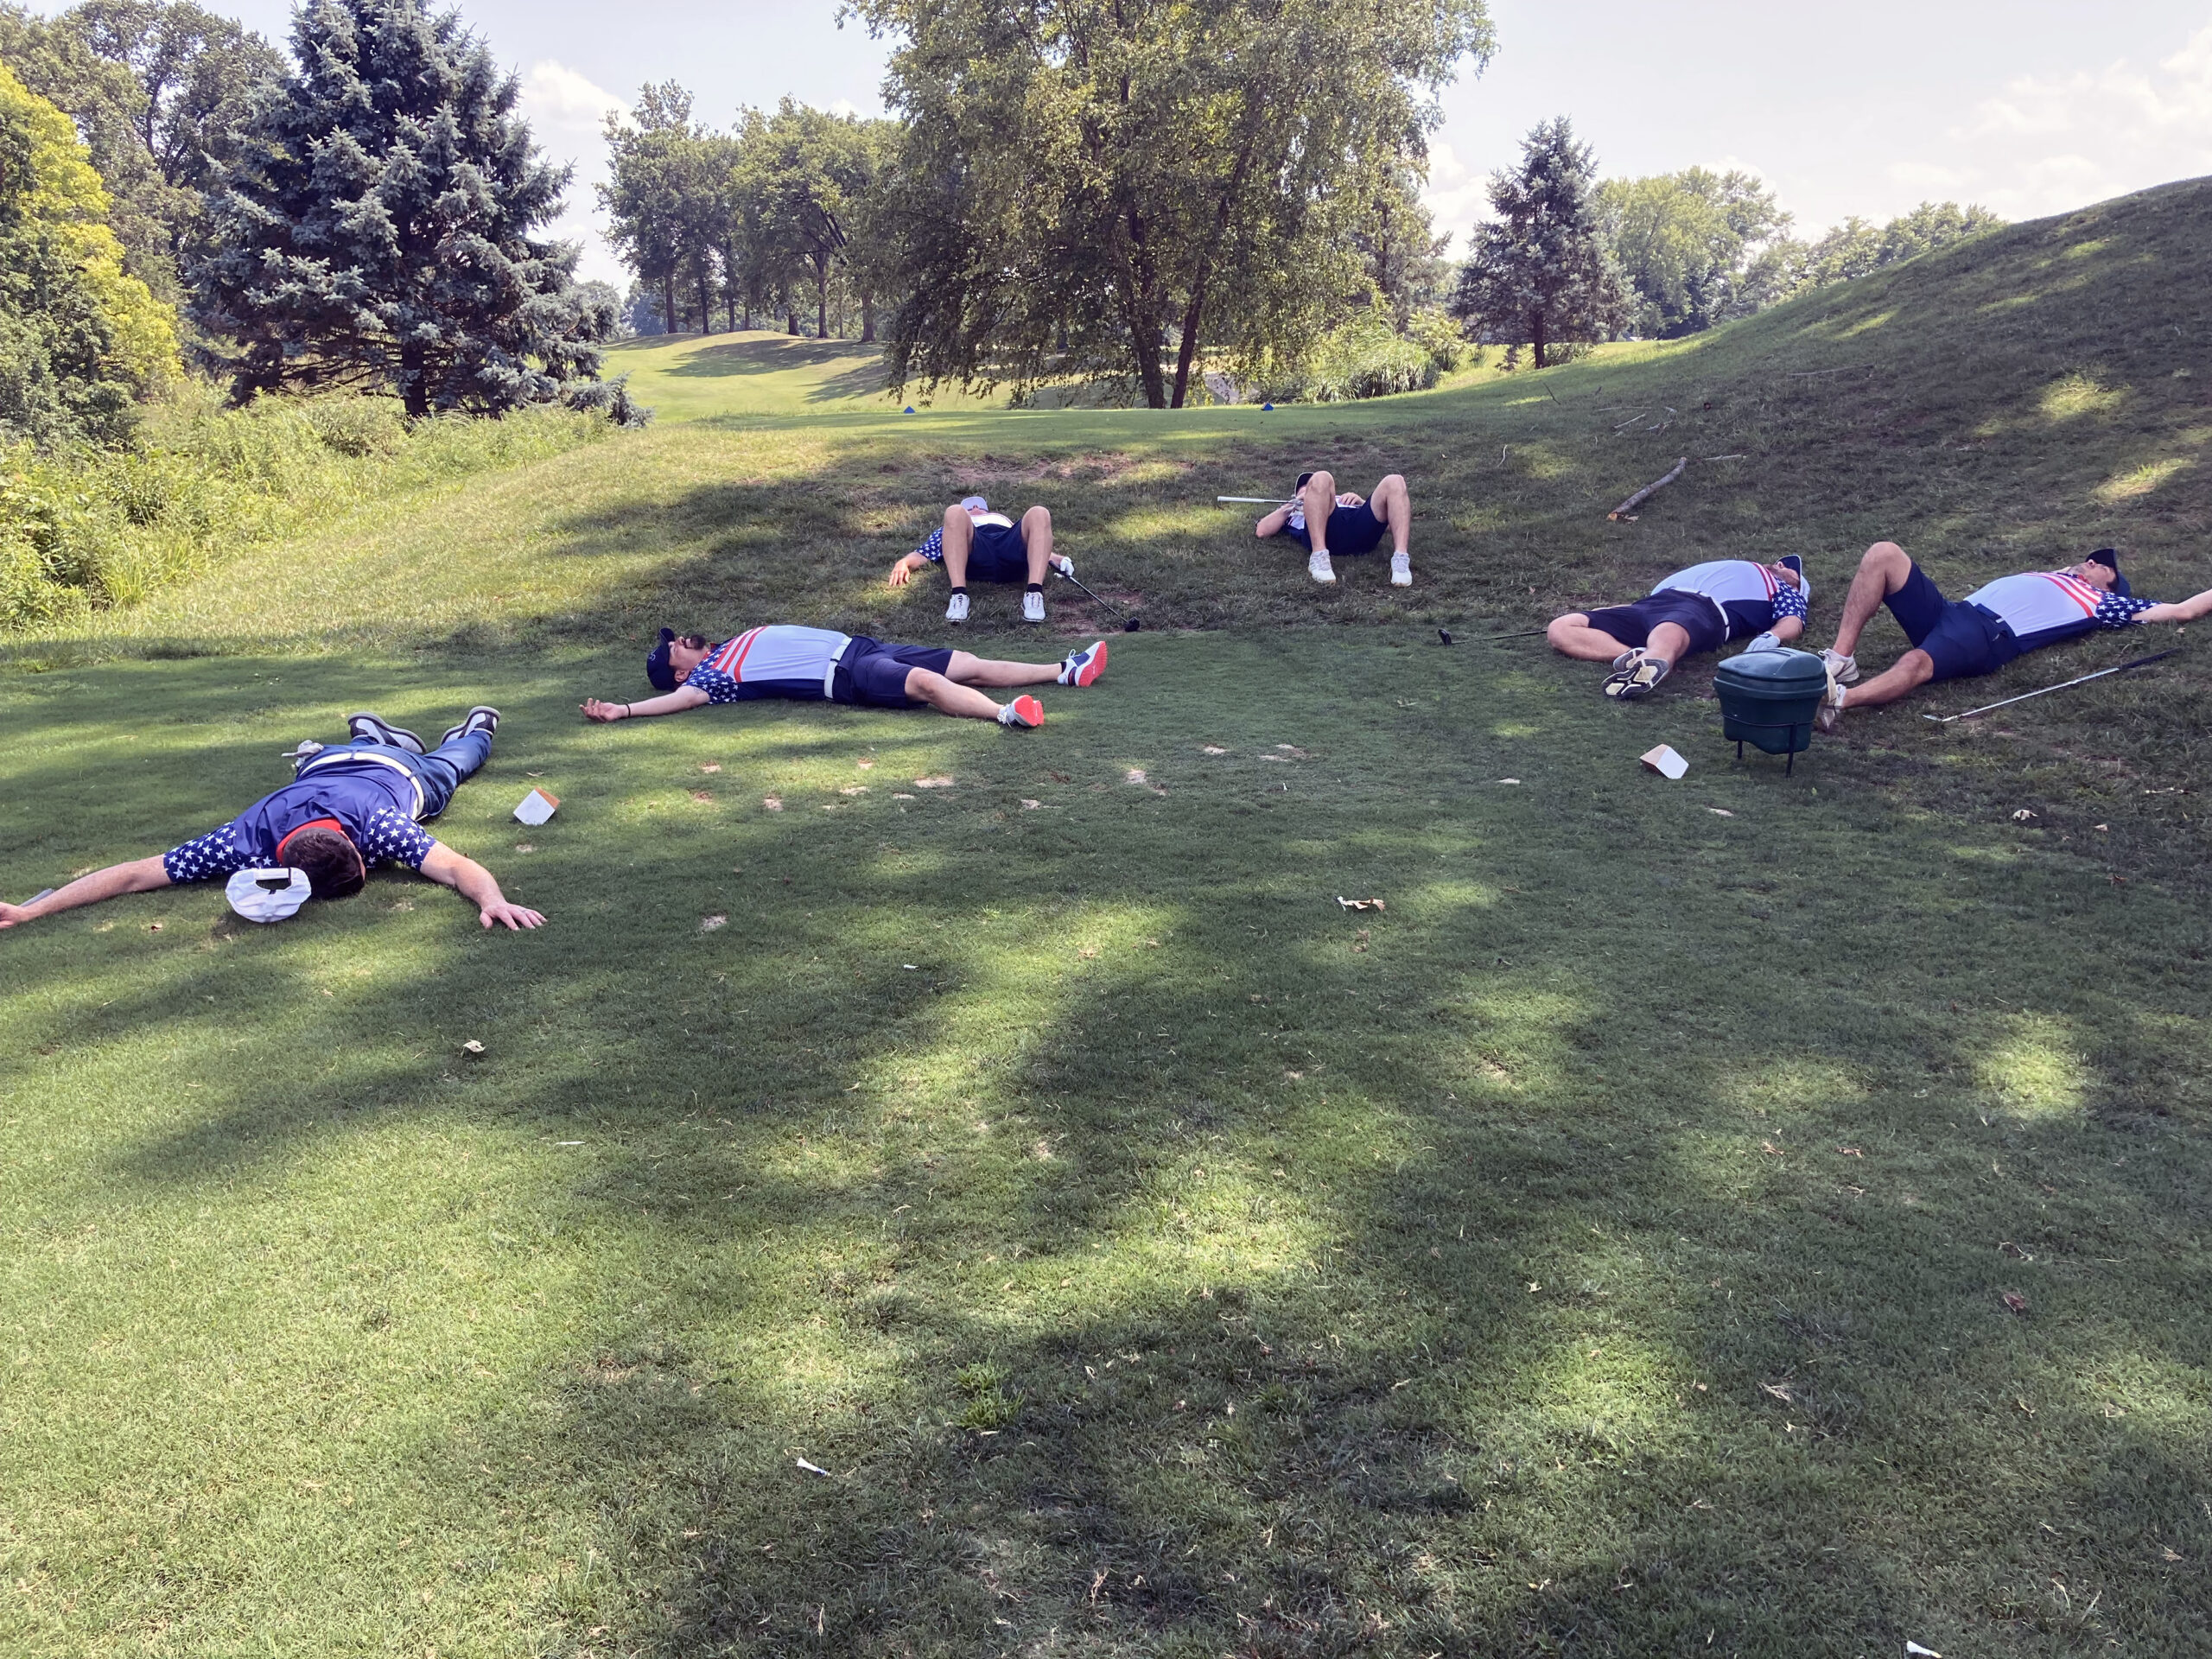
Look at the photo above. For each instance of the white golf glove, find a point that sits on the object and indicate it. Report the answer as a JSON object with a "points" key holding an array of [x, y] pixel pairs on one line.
{"points": [[1063, 565], [1764, 642]]}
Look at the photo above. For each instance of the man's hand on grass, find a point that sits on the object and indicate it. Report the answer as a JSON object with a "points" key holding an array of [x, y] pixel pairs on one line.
{"points": [[515, 916], [594, 709], [901, 573], [10, 915]]}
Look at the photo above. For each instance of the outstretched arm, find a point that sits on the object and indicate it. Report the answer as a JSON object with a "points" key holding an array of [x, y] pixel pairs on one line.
{"points": [[672, 703], [473, 882], [2187, 611], [907, 569], [142, 875]]}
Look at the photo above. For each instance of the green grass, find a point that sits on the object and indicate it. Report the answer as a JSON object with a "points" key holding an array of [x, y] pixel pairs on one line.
{"points": [[1600, 1250], [694, 376]]}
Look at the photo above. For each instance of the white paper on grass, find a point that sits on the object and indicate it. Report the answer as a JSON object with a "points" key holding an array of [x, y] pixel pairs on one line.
{"points": [[268, 895], [537, 806], [1664, 761]]}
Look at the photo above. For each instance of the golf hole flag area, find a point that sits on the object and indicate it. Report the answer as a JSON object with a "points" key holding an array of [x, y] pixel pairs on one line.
{"points": [[1316, 1150]]}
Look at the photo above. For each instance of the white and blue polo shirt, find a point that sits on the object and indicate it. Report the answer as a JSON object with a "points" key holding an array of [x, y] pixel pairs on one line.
{"points": [[2044, 606], [1750, 595], [781, 660], [933, 548]]}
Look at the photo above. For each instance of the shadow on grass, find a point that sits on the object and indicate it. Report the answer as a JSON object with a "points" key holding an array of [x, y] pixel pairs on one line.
{"points": [[1169, 1260]]}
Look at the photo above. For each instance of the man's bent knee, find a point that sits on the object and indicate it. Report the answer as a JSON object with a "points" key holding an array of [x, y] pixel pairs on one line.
{"points": [[1883, 553], [1561, 628], [1036, 516]]}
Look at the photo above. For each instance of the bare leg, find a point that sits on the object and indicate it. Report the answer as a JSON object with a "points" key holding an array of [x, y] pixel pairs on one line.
{"points": [[1320, 496], [1914, 668], [1391, 504], [1037, 541], [947, 698], [1670, 641], [959, 533], [965, 669], [1572, 636], [1881, 571]]}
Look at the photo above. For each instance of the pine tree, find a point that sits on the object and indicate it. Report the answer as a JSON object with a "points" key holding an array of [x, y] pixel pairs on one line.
{"points": [[1541, 273], [377, 229]]}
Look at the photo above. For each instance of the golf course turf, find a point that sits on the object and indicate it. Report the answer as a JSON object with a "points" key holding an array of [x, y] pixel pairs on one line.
{"points": [[938, 1190]]}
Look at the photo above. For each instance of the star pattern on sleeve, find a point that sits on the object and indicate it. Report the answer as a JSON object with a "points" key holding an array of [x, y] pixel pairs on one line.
{"points": [[718, 684], [391, 837], [2115, 612], [933, 548], [215, 854], [1789, 601]]}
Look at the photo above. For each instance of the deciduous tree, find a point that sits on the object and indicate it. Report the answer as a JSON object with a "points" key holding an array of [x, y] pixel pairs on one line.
{"points": [[1686, 242]]}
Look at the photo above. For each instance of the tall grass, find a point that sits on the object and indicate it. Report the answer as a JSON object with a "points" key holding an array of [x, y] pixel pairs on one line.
{"points": [[89, 529]]}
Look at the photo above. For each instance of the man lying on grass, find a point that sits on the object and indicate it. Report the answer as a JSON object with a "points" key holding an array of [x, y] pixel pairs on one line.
{"points": [[976, 542], [1963, 638], [1698, 609], [1323, 522], [349, 806], [822, 665]]}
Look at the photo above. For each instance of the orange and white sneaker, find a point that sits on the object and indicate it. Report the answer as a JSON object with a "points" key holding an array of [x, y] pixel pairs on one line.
{"points": [[1022, 711], [1083, 666]]}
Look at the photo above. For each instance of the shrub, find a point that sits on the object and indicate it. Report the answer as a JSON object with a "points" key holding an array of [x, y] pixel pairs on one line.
{"points": [[1364, 357], [83, 529]]}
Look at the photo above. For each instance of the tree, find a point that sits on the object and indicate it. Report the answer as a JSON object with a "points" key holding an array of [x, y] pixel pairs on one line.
{"points": [[81, 338], [1541, 273], [1685, 243], [377, 229], [811, 174], [1083, 190], [107, 105], [1855, 247]]}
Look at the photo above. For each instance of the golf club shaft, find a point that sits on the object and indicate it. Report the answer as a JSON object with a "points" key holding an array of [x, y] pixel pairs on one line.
{"points": [[1107, 603], [2082, 679], [1257, 500], [1524, 633]]}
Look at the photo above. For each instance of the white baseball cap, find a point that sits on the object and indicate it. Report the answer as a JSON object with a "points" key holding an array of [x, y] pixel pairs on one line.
{"points": [[268, 895], [975, 503]]}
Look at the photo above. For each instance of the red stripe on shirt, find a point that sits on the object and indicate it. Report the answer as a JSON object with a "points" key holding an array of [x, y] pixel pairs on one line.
{"points": [[729, 658], [2075, 588]]}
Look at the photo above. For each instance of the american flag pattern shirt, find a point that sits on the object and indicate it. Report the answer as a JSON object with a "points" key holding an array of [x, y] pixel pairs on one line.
{"points": [[371, 802], [781, 660], [2044, 606], [1750, 595]]}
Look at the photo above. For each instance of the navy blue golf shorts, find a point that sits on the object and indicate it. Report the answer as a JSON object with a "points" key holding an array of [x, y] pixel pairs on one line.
{"points": [[873, 674], [1962, 640], [1352, 530], [1696, 615], [997, 553]]}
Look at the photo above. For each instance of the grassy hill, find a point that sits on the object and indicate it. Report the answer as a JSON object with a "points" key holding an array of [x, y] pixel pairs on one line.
{"points": [[1602, 1248]]}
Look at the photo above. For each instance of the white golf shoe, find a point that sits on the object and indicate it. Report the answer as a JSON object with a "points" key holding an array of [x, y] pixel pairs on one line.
{"points": [[956, 608], [1319, 569], [1401, 570], [1032, 607]]}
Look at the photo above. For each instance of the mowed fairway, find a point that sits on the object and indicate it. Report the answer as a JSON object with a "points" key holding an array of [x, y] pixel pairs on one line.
{"points": [[1602, 1247]]}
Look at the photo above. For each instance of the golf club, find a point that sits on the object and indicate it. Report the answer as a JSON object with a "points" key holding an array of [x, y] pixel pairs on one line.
{"points": [[1129, 624], [1523, 634], [1257, 500], [2122, 668]]}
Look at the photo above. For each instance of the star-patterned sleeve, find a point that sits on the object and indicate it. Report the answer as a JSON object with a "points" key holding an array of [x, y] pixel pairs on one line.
{"points": [[215, 854], [1789, 601], [2115, 612], [391, 837], [718, 684], [933, 548]]}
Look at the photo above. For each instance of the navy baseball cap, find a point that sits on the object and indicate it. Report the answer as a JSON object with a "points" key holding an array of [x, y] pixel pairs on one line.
{"points": [[658, 670], [2110, 560]]}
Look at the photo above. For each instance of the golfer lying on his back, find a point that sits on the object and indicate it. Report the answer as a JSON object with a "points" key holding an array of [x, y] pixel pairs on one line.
{"points": [[347, 807], [1979, 635], [822, 665], [1698, 609], [973, 541], [1323, 522]]}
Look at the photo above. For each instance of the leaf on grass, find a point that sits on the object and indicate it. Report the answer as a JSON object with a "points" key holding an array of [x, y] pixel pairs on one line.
{"points": [[1210, 749], [472, 1046], [2022, 816], [1851, 1151], [1293, 750], [774, 802], [865, 764], [153, 927], [524, 846], [1361, 904], [938, 782], [902, 797], [703, 795], [1720, 811], [709, 923], [1135, 775], [2013, 1300], [1770, 1149], [854, 789], [1914, 1650], [712, 765], [2008, 1248], [1509, 780], [1031, 806]]}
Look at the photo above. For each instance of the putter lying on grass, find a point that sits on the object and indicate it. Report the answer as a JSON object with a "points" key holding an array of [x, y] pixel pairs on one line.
{"points": [[2080, 680], [1129, 624]]}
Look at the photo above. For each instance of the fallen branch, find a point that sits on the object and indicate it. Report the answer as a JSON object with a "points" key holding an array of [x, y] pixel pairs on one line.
{"points": [[1647, 491]]}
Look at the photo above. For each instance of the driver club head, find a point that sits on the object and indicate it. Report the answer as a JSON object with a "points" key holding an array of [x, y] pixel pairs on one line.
{"points": [[1133, 625]]}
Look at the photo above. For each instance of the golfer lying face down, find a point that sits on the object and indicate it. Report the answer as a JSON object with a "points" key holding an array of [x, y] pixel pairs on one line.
{"points": [[1698, 609], [1324, 521], [822, 665], [1979, 635], [349, 806], [973, 541]]}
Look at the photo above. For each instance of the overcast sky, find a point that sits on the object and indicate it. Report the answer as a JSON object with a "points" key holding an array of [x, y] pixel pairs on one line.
{"points": [[2028, 106]]}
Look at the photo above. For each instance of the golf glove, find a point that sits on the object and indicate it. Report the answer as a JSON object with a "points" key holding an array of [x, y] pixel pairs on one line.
{"points": [[1065, 566], [1764, 642]]}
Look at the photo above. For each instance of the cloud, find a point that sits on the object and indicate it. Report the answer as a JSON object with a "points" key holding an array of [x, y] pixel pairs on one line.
{"points": [[1455, 197], [565, 109], [2046, 144]]}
